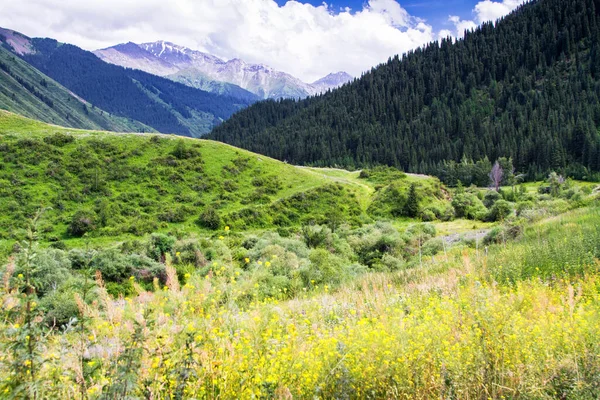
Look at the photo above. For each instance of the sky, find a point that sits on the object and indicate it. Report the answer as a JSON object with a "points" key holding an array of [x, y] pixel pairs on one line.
{"points": [[306, 38]]}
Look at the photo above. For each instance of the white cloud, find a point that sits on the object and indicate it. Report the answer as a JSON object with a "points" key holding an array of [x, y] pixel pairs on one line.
{"points": [[492, 10], [484, 11], [461, 25], [304, 40]]}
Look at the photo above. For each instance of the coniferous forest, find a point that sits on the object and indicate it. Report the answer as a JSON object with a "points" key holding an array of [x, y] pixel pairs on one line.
{"points": [[526, 88]]}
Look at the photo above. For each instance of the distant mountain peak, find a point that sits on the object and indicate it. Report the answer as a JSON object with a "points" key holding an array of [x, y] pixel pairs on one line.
{"points": [[180, 63], [339, 77]]}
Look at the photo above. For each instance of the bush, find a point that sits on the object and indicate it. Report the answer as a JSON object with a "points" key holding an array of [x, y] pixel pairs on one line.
{"points": [[524, 206], [501, 234], [59, 139], [159, 245], [315, 236], [83, 221], [52, 267], [116, 267], [467, 205], [428, 215], [324, 268], [210, 219], [432, 247], [60, 307], [491, 197], [499, 211]]}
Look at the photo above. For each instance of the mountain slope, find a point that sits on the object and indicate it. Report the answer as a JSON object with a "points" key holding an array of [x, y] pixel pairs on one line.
{"points": [[26, 91], [133, 184], [207, 72], [140, 183], [164, 105], [527, 88]]}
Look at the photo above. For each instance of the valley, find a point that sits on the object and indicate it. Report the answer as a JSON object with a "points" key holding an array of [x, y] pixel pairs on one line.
{"points": [[177, 225]]}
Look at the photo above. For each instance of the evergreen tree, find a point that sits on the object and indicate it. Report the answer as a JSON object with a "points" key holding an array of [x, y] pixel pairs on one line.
{"points": [[412, 208]]}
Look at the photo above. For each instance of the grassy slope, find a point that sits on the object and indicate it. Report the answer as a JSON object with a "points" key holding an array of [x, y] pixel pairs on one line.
{"points": [[128, 171], [66, 110]]}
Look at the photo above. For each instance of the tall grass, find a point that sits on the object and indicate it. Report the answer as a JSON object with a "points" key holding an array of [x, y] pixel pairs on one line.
{"points": [[561, 247], [451, 330]]}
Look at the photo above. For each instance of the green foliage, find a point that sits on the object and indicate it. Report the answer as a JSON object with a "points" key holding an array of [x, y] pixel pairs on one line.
{"points": [[490, 198], [316, 236], [467, 205], [112, 186], [52, 269], [117, 267], [159, 246], [382, 174], [210, 219], [500, 211], [411, 207], [82, 222]]}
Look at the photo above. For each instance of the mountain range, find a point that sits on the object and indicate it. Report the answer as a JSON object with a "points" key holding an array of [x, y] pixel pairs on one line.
{"points": [[207, 72], [146, 100]]}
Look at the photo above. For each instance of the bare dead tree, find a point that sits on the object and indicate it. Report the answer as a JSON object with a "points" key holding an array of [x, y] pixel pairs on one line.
{"points": [[496, 175]]}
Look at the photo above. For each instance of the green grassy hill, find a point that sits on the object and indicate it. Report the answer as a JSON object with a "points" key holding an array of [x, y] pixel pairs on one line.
{"points": [[26, 91], [134, 184]]}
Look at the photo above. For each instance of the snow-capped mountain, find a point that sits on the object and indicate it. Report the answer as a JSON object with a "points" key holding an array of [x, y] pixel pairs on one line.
{"points": [[207, 72], [331, 81]]}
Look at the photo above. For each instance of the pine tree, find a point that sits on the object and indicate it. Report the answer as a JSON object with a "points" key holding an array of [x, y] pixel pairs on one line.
{"points": [[411, 207]]}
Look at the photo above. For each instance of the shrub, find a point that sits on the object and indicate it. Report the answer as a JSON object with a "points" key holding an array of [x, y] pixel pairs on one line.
{"points": [[467, 205], [499, 211], [83, 221], [491, 197], [501, 234], [432, 247], [391, 263], [428, 215], [524, 206], [59, 139], [52, 267], [159, 245], [116, 266], [210, 219], [324, 268], [315, 236], [183, 152]]}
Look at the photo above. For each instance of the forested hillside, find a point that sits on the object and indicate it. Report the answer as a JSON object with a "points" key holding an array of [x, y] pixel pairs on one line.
{"points": [[26, 91], [527, 87], [164, 105]]}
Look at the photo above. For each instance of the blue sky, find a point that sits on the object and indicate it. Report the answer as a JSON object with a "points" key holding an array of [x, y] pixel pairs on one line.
{"points": [[436, 12]]}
